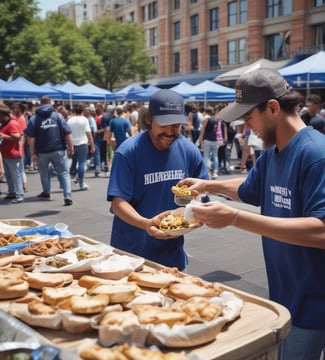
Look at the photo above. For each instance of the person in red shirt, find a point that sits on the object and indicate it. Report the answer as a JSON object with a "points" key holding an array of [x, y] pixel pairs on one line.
{"points": [[18, 110], [10, 137]]}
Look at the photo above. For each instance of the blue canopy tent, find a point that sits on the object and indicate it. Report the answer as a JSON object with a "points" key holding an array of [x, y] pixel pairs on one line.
{"points": [[208, 90], [306, 74], [96, 93], [132, 92], [183, 88], [22, 89]]}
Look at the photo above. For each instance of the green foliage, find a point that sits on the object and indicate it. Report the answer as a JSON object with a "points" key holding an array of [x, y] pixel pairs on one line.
{"points": [[104, 53], [15, 16]]}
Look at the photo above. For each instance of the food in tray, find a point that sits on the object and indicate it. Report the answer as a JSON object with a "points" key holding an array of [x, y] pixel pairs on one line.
{"points": [[154, 315], [20, 259], [183, 191], [155, 279], [173, 221], [50, 247], [83, 254], [37, 280], [118, 293], [126, 352], [57, 262], [119, 318], [53, 296], [37, 307], [6, 239], [89, 281], [12, 284], [85, 304], [190, 287]]}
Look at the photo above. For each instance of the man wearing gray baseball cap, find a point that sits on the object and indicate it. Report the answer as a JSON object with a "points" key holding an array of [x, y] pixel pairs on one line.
{"points": [[288, 183], [144, 169]]}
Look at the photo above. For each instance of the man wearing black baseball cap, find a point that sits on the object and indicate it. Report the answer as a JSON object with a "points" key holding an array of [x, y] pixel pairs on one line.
{"points": [[288, 183], [144, 169]]}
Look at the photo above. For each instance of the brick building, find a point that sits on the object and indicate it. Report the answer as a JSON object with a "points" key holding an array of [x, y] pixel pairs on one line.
{"points": [[194, 40]]}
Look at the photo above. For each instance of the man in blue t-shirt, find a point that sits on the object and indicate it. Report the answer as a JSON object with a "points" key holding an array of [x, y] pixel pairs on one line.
{"points": [[145, 167], [288, 183]]}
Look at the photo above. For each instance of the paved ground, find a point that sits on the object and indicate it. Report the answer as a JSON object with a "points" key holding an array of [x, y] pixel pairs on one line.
{"points": [[231, 256]]}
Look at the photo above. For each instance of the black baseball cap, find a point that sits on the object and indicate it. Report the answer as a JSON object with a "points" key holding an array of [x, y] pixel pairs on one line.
{"points": [[167, 107], [253, 88]]}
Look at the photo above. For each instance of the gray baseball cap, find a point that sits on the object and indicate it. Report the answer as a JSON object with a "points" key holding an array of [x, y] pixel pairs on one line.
{"points": [[254, 88]]}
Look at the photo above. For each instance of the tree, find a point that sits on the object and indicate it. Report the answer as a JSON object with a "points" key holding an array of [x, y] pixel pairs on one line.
{"points": [[54, 50], [15, 15], [121, 48]]}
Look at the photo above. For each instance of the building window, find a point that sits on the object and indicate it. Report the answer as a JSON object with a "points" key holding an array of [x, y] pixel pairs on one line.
{"points": [[154, 60], [319, 36], [237, 12], [153, 37], [194, 25], [177, 4], [213, 57], [242, 51], [132, 16], [194, 60], [177, 30], [319, 2], [214, 19], [243, 8], [177, 62], [193, 1], [236, 50], [277, 46], [276, 8], [152, 10]]}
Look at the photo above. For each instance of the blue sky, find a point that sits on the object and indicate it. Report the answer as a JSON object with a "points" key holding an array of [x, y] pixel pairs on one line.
{"points": [[51, 5]]}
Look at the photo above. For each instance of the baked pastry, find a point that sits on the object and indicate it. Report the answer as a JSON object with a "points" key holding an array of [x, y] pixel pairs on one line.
{"points": [[121, 319], [125, 352], [88, 281], [85, 304], [183, 191], [187, 289], [39, 280], [53, 296], [156, 280], [37, 307], [118, 293], [150, 314], [12, 284]]}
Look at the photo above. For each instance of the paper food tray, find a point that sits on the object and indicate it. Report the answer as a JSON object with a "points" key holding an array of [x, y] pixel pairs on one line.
{"points": [[75, 264], [193, 224]]}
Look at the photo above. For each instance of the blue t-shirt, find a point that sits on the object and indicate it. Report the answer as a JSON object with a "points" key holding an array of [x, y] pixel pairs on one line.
{"points": [[143, 176], [291, 183], [120, 127]]}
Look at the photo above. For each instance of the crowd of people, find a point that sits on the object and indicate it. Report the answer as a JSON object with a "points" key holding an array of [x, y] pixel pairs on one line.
{"points": [[148, 149], [95, 131]]}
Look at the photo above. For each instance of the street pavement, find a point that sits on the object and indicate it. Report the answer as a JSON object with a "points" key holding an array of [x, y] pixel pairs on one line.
{"points": [[230, 256]]}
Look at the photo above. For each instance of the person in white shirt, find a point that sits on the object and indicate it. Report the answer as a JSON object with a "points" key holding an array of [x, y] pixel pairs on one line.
{"points": [[82, 142]]}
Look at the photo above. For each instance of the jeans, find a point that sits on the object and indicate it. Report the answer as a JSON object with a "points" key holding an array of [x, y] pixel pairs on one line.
{"points": [[12, 168], [211, 150], [302, 344], [59, 161], [80, 158]]}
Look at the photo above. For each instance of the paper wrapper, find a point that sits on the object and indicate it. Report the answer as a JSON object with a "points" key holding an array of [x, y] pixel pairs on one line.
{"points": [[177, 336], [116, 266], [20, 311], [76, 265]]}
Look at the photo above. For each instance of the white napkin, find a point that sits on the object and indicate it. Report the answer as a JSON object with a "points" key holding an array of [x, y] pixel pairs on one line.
{"points": [[188, 214]]}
